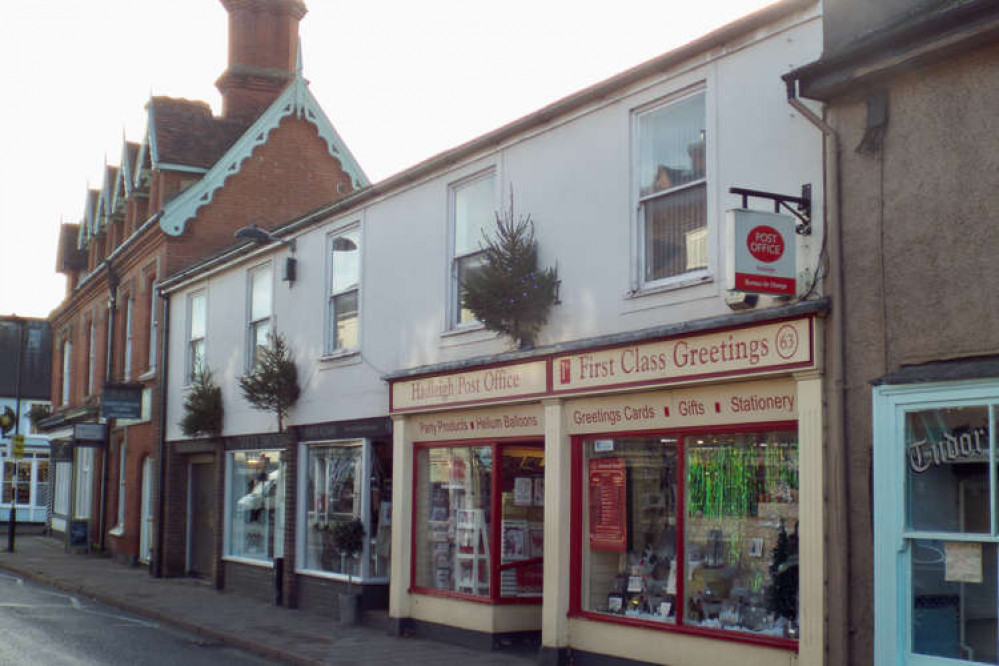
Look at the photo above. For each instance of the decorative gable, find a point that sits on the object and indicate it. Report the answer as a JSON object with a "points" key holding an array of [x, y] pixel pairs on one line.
{"points": [[296, 99]]}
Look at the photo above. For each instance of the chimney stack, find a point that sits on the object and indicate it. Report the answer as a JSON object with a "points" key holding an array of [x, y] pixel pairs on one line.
{"points": [[263, 52]]}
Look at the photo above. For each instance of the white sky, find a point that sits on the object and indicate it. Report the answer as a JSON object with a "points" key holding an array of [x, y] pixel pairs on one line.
{"points": [[401, 80]]}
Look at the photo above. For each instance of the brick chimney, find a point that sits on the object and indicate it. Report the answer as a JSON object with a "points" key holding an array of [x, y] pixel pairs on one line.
{"points": [[263, 52]]}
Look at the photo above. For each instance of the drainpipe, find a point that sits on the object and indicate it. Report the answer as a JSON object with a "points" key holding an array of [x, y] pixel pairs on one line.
{"points": [[157, 569], [836, 451], [108, 378]]}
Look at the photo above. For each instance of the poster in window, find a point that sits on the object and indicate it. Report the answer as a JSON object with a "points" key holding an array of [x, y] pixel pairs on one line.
{"points": [[607, 480], [523, 490]]}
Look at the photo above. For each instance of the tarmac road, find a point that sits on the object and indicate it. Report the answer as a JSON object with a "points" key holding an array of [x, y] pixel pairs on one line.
{"points": [[40, 625]]}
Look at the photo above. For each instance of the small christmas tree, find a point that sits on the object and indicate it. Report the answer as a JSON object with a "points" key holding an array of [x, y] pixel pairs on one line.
{"points": [[202, 407], [783, 597], [272, 384], [509, 294]]}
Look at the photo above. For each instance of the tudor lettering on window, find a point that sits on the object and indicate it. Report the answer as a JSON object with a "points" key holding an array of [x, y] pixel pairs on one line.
{"points": [[760, 249]]}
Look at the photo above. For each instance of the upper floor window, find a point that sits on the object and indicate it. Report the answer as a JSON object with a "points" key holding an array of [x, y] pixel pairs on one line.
{"points": [[91, 355], [672, 189], [473, 210], [259, 327], [196, 329], [345, 278], [67, 366], [151, 359], [129, 312]]}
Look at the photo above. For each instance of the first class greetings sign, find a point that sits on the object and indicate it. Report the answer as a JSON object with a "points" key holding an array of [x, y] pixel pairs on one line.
{"points": [[774, 346]]}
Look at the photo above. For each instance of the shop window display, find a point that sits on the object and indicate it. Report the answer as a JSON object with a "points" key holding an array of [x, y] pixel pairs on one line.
{"points": [[333, 496], [695, 530], [256, 493], [460, 549]]}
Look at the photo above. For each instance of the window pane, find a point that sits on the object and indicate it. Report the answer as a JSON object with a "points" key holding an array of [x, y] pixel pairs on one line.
{"points": [[198, 316], [630, 528], [954, 600], [197, 357], [671, 145], [346, 261], [947, 454], [741, 533], [522, 527], [453, 519], [259, 335], [676, 233], [381, 509], [474, 213], [343, 313], [260, 292], [333, 496], [465, 267], [255, 492]]}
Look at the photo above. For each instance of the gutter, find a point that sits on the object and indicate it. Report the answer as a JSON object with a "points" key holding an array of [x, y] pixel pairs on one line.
{"points": [[838, 549]]}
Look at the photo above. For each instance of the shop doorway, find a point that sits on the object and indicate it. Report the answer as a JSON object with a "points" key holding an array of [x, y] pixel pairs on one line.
{"points": [[146, 524], [200, 518]]}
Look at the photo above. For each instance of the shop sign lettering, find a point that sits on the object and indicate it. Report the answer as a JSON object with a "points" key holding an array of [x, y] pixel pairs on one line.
{"points": [[969, 445], [508, 381], [523, 421], [745, 350]]}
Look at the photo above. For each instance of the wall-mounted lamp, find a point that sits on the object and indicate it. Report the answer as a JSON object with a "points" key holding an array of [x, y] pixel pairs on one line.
{"points": [[259, 236]]}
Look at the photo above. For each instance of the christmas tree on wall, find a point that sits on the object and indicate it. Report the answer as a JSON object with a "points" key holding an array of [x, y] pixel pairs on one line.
{"points": [[509, 294]]}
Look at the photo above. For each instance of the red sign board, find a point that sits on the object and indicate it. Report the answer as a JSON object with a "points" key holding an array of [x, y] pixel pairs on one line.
{"points": [[608, 518]]}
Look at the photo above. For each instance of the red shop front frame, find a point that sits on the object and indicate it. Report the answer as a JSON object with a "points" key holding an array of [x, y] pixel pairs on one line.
{"points": [[578, 537], [495, 567]]}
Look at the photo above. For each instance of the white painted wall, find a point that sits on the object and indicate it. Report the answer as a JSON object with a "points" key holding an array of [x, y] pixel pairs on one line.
{"points": [[574, 178]]}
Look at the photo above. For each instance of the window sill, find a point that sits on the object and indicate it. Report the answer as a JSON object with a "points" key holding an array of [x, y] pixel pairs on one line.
{"points": [[341, 357], [117, 531], [329, 575], [264, 564], [147, 375], [672, 285], [467, 334]]}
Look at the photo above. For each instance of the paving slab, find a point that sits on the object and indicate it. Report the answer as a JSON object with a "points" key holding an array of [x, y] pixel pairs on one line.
{"points": [[281, 634]]}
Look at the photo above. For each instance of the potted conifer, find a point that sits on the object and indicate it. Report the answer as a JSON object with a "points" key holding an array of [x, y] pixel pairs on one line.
{"points": [[348, 536]]}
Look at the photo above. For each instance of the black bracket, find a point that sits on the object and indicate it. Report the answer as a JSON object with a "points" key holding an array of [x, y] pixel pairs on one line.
{"points": [[802, 208]]}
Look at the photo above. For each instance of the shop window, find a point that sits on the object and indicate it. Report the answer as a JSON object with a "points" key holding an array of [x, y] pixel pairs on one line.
{"points": [[345, 278], [697, 531], [672, 189], [256, 504], [345, 482], [935, 528], [63, 487], [15, 482], [460, 549], [473, 211]]}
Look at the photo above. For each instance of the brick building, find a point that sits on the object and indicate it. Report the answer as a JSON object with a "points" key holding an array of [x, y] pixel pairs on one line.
{"points": [[175, 197]]}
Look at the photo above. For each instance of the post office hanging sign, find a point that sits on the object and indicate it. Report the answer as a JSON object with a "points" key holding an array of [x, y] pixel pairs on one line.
{"points": [[761, 252]]}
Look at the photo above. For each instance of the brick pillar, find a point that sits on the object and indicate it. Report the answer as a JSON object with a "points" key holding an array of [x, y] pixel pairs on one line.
{"points": [[290, 581], [218, 566]]}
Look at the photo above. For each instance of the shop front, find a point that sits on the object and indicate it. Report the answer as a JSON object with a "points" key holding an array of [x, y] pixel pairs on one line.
{"points": [[657, 500]]}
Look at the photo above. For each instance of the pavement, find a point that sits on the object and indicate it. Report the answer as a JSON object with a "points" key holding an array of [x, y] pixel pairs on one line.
{"points": [[281, 634]]}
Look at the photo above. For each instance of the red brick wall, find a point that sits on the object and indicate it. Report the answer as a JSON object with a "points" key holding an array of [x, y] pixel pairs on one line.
{"points": [[286, 177]]}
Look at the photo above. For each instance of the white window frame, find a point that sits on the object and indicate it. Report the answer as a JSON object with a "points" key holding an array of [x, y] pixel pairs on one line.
{"points": [[455, 258], [695, 276], [122, 494], [67, 370], [892, 569], [251, 323], [333, 347], [192, 341], [63, 482], [153, 324], [91, 355], [127, 361], [228, 509]]}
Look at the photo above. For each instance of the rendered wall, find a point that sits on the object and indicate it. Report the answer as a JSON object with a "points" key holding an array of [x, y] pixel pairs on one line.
{"points": [[920, 242]]}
